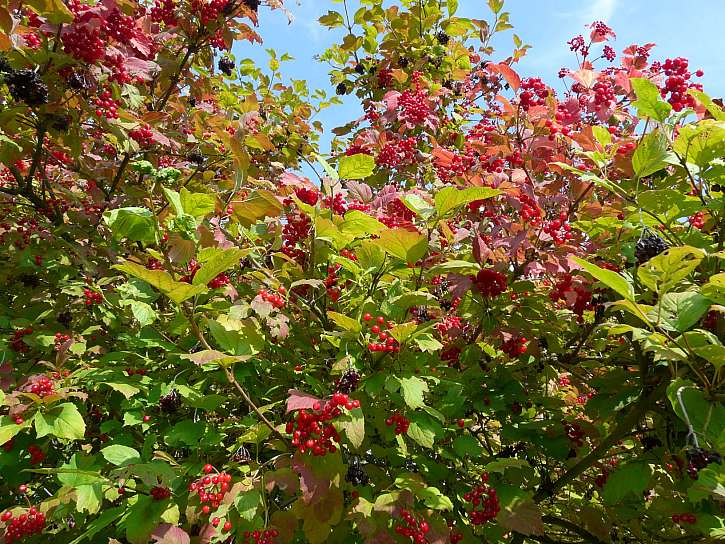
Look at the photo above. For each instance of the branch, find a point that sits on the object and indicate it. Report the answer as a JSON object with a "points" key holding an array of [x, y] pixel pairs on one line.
{"points": [[566, 524]]}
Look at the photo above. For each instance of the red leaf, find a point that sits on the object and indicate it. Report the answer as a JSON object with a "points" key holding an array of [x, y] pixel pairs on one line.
{"points": [[511, 77], [299, 400], [168, 534]]}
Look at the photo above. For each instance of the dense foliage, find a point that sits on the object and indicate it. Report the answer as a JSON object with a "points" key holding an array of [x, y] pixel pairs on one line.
{"points": [[495, 317]]}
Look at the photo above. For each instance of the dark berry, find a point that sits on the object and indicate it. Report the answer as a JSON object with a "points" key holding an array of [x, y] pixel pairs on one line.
{"points": [[196, 157], [4, 65], [648, 246], [341, 88], [171, 402], [442, 38], [26, 86], [359, 68], [226, 65], [355, 473], [403, 62], [251, 4], [348, 382]]}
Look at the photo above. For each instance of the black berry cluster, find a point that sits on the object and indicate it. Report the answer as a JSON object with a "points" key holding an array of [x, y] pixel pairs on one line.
{"points": [[442, 38], [27, 86], [356, 475], [348, 382], [341, 88], [171, 402], [226, 65], [648, 246], [699, 458]]}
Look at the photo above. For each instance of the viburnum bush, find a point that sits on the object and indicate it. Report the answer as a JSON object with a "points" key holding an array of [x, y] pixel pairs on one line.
{"points": [[495, 315]]}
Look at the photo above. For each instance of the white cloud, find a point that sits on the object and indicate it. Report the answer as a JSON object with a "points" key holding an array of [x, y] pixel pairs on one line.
{"points": [[600, 10]]}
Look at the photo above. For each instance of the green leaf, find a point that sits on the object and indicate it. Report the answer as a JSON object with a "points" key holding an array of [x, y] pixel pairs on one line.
{"points": [[238, 337], [89, 498], [63, 421], [434, 499], [329, 170], [258, 205], [332, 19], [175, 290], [649, 101], [215, 261], [353, 423], [427, 342], [95, 526], [185, 433], [452, 6], [651, 154], [134, 223], [666, 270], [602, 135], [422, 434], [358, 224], [120, 455], [680, 311], [197, 204], [142, 312], [55, 11], [700, 143], [707, 418], [248, 503], [403, 331], [8, 429], [174, 199], [401, 243], [632, 478], [715, 288], [716, 111], [413, 390], [450, 198], [10, 151], [358, 166], [714, 353], [344, 322], [466, 444], [608, 277]]}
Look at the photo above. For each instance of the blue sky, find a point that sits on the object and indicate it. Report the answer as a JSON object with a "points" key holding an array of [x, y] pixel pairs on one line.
{"points": [[690, 29]]}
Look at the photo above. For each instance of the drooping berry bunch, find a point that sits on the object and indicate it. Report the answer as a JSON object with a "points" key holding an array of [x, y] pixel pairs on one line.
{"points": [[60, 339], [574, 432], [648, 246], [220, 280], [312, 430], [356, 475], [484, 502], [106, 106], [36, 454], [412, 528], [84, 43], [170, 402], [118, 26], [27, 86], [296, 228], [211, 488], [697, 220], [348, 381], [266, 536], [163, 11], [400, 421], [490, 283], [378, 327], [533, 93], [414, 103], [142, 134], [699, 458], [192, 268], [393, 154], [514, 346], [275, 299], [678, 83], [40, 385], [559, 229], [17, 344], [159, 493], [307, 195], [226, 65], [91, 297], [687, 518], [18, 527], [576, 296], [348, 254]]}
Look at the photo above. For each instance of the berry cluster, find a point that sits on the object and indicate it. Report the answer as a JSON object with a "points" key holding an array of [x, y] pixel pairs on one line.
{"points": [[385, 78], [84, 43], [209, 12], [348, 254], [484, 500], [170, 402], [91, 297], [514, 346], [459, 165], [699, 458], [30, 522], [401, 423], [267, 536], [60, 339], [356, 475], [678, 83], [159, 493], [142, 134], [559, 229], [106, 106], [648, 246], [119, 26], [226, 65], [690, 519], [490, 283], [192, 268], [576, 296], [27, 86], [211, 488], [412, 528], [297, 227], [603, 94], [17, 343], [36, 454], [534, 93], [275, 299], [163, 11], [697, 220], [379, 328], [220, 280], [312, 430], [348, 382], [394, 154], [307, 195], [41, 386], [336, 203], [529, 210], [574, 433], [414, 103]]}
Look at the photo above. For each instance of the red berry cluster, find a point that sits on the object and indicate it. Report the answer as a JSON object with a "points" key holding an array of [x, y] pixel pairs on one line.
{"points": [[211, 488], [163, 11], [137, 372], [534, 93], [515, 346], [559, 229], [32, 40], [116, 64], [159, 493], [394, 154], [17, 343], [412, 528], [208, 12], [490, 283], [678, 82], [30, 522], [276, 300], [577, 297], [192, 268], [119, 26], [91, 297], [60, 339], [385, 78], [400, 421], [414, 103], [36, 454], [690, 519], [296, 228], [311, 430], [41, 386], [459, 165], [484, 500], [529, 210], [379, 328], [574, 433], [331, 281], [220, 280], [603, 93], [336, 203], [142, 134], [625, 148], [84, 43], [307, 195], [348, 254], [697, 220], [266, 536], [450, 325], [106, 106]]}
